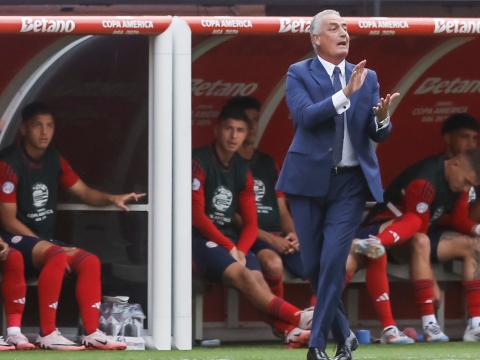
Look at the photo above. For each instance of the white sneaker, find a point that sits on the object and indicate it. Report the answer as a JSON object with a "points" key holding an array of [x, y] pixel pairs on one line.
{"points": [[4, 346], [20, 342], [433, 333], [371, 247], [306, 316], [392, 335], [56, 341], [99, 340], [471, 333], [297, 338]]}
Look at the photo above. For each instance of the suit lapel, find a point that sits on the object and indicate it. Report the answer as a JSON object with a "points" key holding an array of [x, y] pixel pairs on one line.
{"points": [[320, 75]]}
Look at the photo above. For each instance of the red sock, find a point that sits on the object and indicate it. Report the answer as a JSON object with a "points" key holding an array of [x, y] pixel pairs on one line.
{"points": [[472, 289], [424, 296], [13, 287], [276, 285], [49, 287], [89, 287], [377, 285], [401, 230], [280, 309]]}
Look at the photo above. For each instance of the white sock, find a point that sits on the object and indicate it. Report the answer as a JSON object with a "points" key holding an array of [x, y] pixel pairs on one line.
{"points": [[475, 321], [13, 330], [427, 319]]}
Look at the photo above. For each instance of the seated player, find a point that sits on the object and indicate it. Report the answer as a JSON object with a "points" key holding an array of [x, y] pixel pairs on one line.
{"points": [[13, 292], [415, 201], [30, 172], [222, 185], [277, 244]]}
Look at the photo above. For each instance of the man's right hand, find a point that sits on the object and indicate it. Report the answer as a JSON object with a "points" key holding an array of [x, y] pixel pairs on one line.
{"points": [[359, 73], [4, 248]]}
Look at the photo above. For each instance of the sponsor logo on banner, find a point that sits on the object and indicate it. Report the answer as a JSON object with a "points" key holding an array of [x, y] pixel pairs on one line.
{"points": [[294, 25], [437, 85], [47, 25], [127, 24], [222, 88], [457, 26], [383, 24], [226, 23]]}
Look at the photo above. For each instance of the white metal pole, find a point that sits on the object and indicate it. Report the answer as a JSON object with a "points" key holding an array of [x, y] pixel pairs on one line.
{"points": [[160, 301], [182, 180]]}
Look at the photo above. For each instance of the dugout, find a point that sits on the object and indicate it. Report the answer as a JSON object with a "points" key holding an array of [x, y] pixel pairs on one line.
{"points": [[123, 88]]}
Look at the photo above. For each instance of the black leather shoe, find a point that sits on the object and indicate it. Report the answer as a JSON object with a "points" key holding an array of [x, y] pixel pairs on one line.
{"points": [[343, 353], [352, 341], [315, 353]]}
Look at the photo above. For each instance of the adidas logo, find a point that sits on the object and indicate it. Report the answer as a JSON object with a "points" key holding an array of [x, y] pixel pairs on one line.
{"points": [[20, 301], [383, 297], [396, 237], [53, 305], [96, 305], [428, 302]]}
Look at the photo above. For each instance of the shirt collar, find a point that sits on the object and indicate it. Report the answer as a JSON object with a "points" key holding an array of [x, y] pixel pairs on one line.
{"points": [[329, 66]]}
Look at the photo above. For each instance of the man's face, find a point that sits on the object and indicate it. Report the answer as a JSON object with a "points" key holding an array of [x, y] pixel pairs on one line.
{"points": [[38, 131], [230, 134], [253, 115], [332, 39], [460, 175], [460, 141]]}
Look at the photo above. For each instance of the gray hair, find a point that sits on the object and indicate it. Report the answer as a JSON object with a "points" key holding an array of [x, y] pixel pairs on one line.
{"points": [[315, 24]]}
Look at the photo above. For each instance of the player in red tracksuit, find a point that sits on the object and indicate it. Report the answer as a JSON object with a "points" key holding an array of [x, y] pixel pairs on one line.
{"points": [[30, 172], [424, 202], [222, 185]]}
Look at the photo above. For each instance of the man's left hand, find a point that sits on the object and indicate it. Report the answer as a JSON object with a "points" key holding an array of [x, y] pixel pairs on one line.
{"points": [[381, 110], [294, 243], [121, 200]]}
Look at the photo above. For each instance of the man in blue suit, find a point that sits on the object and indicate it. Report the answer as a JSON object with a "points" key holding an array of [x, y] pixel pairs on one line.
{"points": [[331, 167]]}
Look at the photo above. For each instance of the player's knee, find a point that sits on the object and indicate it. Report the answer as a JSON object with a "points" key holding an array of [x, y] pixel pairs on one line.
{"points": [[55, 255], [272, 265], [84, 259], [421, 244]]}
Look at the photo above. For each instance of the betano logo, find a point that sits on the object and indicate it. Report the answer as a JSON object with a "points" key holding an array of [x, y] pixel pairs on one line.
{"points": [[456, 26], [47, 25], [294, 26], [201, 87], [437, 85]]}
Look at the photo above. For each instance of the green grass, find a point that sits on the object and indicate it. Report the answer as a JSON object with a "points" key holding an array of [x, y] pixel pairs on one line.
{"points": [[450, 351]]}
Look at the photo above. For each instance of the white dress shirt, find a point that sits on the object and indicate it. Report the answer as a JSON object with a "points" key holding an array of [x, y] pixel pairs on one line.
{"points": [[342, 104]]}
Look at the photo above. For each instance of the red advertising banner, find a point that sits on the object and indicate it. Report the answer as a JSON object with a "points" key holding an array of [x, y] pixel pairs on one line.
{"points": [[374, 26], [115, 25]]}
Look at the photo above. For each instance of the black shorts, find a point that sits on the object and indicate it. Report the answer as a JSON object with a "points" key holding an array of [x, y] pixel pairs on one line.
{"points": [[25, 245], [371, 229], [435, 235], [292, 262], [211, 259]]}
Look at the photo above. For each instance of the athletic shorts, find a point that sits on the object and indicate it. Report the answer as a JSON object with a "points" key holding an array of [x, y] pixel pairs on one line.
{"points": [[435, 234], [292, 262], [25, 245], [371, 229], [211, 260]]}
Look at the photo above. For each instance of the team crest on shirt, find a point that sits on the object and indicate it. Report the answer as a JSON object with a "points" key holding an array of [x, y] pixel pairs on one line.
{"points": [[195, 184], [259, 189], [422, 207], [8, 187], [222, 199], [39, 194], [436, 215]]}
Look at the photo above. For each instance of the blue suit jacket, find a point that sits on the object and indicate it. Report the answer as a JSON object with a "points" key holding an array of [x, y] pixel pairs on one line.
{"points": [[307, 167]]}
